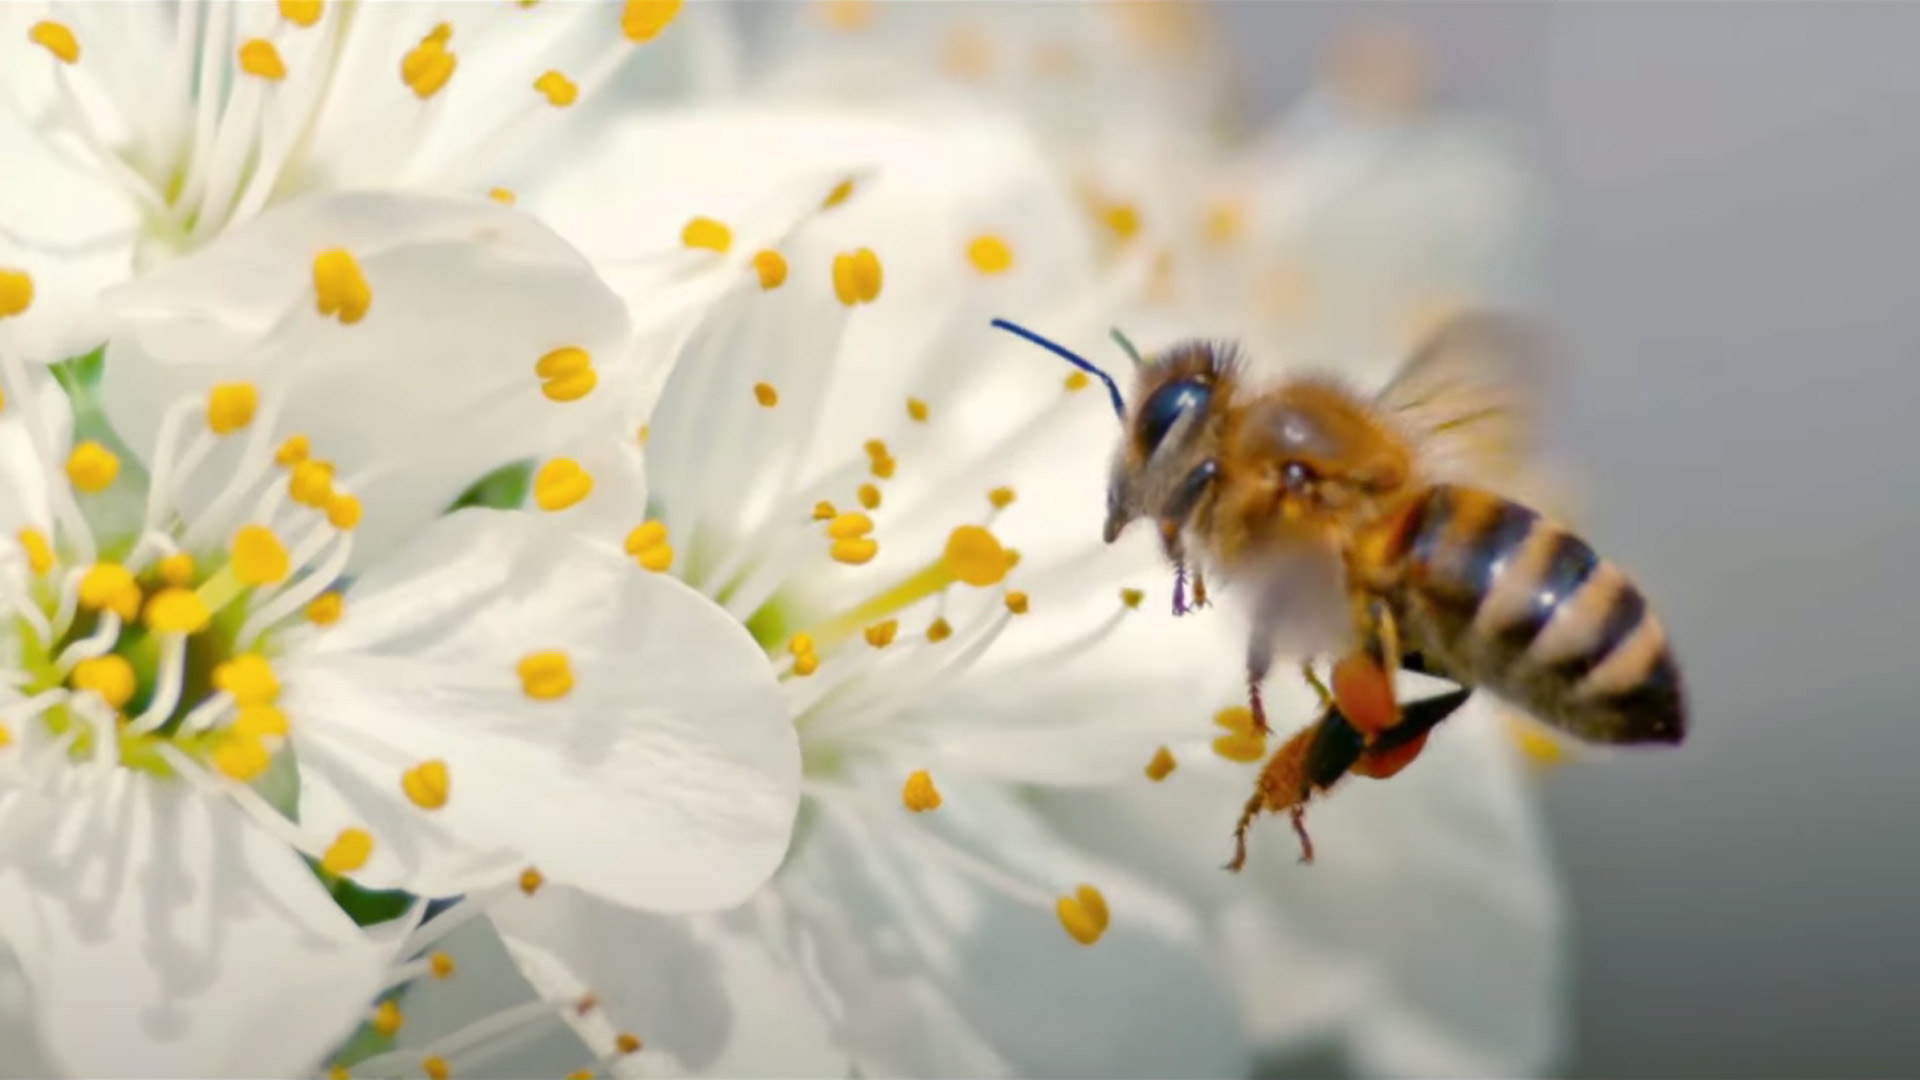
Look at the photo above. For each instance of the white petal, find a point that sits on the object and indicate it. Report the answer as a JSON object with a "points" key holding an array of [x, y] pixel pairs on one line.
{"points": [[199, 944], [24, 476], [431, 390], [666, 780], [20, 1052]]}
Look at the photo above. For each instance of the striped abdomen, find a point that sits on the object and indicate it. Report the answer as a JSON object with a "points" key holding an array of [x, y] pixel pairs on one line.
{"points": [[1505, 600]]}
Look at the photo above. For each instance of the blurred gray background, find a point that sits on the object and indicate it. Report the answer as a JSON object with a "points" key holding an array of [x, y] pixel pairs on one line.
{"points": [[1734, 278]]}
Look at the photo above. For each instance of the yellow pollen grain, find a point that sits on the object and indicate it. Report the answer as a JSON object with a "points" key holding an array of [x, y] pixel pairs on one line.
{"points": [[566, 374], [627, 1043], [343, 512], [349, 852], [854, 552], [248, 679], [1017, 602], [177, 611], [1076, 381], [939, 630], [427, 66], [766, 395], [303, 13], [559, 90], [176, 569], [292, 452], [974, 556], [230, 407], [426, 784], [110, 676], [917, 410], [706, 234], [340, 290], [435, 1067], [642, 20], [804, 666], [1000, 498], [260, 721], [857, 277], [441, 965], [1132, 597], [990, 255], [824, 511], [1161, 766], [110, 587], [849, 526], [259, 558], [16, 292], [501, 195], [531, 880], [869, 496], [259, 58], [241, 757], [1083, 915], [918, 794], [560, 483], [325, 609], [841, 192], [38, 551], [387, 1019], [546, 675], [56, 39], [881, 634], [772, 268], [92, 467]]}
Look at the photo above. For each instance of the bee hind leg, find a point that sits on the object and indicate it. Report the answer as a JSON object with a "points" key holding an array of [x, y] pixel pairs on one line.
{"points": [[1312, 760], [1396, 748]]}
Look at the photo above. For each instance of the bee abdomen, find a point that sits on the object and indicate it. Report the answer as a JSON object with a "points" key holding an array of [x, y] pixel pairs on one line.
{"points": [[1514, 603]]}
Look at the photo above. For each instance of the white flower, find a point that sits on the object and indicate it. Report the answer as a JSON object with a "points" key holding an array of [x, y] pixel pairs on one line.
{"points": [[926, 922], [243, 634]]}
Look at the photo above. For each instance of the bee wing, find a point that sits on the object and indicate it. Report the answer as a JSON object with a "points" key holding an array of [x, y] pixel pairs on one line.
{"points": [[1469, 399]]}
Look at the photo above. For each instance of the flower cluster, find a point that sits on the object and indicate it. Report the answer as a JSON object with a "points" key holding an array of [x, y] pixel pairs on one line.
{"points": [[510, 562]]}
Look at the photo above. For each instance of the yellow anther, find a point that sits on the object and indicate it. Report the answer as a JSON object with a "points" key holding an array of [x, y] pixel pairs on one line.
{"points": [[869, 496], [841, 192], [531, 880], [560, 483], [772, 268], [339, 289], [501, 195], [581, 1074], [1017, 602], [1241, 742], [325, 609], [1083, 915], [882, 467], [939, 630], [1161, 766], [857, 277], [881, 634], [800, 644], [1123, 219], [824, 511], [1538, 747], [766, 395], [642, 433], [39, 553], [241, 757], [1013, 558], [259, 558], [974, 556], [1076, 381], [849, 526], [427, 66], [917, 410], [876, 448], [426, 784], [918, 793], [260, 721], [343, 512], [1000, 498], [110, 587], [1132, 597], [110, 676], [966, 53], [854, 552], [300, 12], [545, 675], [847, 14], [247, 678], [176, 569], [56, 39], [441, 33], [92, 467], [16, 292], [642, 20], [435, 1067], [558, 89], [349, 852], [1224, 222], [806, 665], [566, 374], [627, 1043], [658, 558], [387, 1019], [339, 1072], [292, 452], [6, 736], [990, 255], [706, 234], [645, 535], [177, 611], [441, 965], [259, 58]]}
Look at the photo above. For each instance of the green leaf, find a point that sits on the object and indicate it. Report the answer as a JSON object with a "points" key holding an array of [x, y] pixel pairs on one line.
{"points": [[505, 488]]}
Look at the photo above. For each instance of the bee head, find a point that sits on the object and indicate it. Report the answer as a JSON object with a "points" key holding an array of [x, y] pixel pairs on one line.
{"points": [[1171, 437]]}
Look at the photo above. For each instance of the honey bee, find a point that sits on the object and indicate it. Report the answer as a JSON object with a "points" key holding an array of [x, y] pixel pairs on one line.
{"points": [[1369, 529]]}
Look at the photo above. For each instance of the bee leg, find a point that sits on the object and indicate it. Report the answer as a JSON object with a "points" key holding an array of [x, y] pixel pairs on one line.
{"points": [[1314, 759], [1193, 489], [1396, 748]]}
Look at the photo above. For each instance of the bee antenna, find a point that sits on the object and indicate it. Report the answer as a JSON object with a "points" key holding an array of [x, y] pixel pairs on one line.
{"points": [[1113, 388], [1126, 346]]}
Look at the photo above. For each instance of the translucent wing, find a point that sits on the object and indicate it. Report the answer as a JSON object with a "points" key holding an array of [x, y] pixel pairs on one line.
{"points": [[1469, 399]]}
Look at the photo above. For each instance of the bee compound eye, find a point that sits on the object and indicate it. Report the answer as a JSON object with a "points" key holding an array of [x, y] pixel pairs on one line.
{"points": [[1167, 405]]}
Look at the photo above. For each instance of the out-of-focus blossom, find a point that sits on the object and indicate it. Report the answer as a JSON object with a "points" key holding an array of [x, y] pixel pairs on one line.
{"points": [[249, 658]]}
